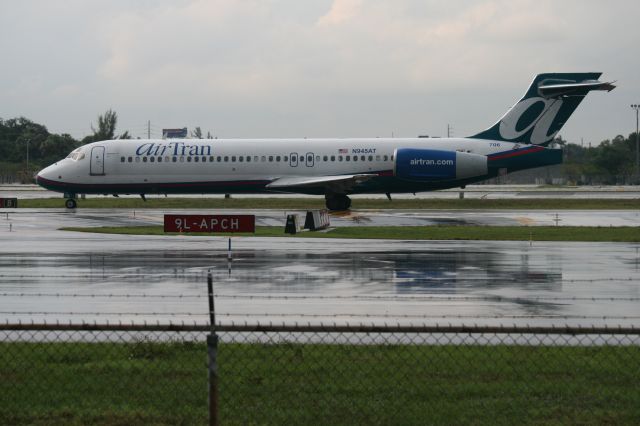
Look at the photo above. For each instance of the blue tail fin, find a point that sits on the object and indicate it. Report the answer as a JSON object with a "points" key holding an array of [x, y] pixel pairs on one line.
{"points": [[547, 105]]}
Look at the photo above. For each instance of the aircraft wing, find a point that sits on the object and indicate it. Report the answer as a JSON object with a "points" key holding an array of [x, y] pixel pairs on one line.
{"points": [[338, 184]]}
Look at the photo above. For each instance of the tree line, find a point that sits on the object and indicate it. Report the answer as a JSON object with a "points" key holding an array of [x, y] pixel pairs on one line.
{"points": [[611, 162], [19, 135]]}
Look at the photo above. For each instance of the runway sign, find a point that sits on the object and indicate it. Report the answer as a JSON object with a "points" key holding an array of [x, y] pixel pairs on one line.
{"points": [[209, 223], [8, 202]]}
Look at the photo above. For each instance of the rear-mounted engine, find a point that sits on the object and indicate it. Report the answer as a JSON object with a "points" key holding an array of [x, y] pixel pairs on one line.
{"points": [[433, 164]]}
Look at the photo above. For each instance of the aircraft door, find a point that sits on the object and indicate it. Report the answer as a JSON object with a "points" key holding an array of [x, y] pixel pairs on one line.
{"points": [[97, 161], [293, 159], [309, 158]]}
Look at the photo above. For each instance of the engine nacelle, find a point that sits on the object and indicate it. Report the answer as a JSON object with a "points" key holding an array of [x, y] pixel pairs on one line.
{"points": [[433, 164]]}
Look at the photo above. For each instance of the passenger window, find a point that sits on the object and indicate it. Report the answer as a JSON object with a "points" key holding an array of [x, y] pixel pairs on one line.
{"points": [[362, 158], [333, 158], [371, 158], [174, 159], [248, 158], [196, 159], [317, 158], [226, 158], [152, 159], [211, 159], [241, 158], [339, 157], [137, 159], [144, 159], [285, 158], [264, 158], [355, 158], [181, 159], [204, 159], [270, 158], [130, 159], [377, 158], [278, 158], [256, 158], [233, 158], [325, 158], [166, 159], [122, 159], [386, 158], [347, 158], [219, 159], [159, 159], [392, 158]]}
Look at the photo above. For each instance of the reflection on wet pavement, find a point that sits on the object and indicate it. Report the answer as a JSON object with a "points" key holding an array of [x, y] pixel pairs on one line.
{"points": [[502, 283], [52, 275]]}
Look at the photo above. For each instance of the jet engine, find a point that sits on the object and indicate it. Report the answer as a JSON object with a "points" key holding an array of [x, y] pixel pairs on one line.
{"points": [[432, 164]]}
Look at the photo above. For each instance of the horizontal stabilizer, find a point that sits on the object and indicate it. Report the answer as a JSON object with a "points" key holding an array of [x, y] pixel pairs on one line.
{"points": [[573, 89]]}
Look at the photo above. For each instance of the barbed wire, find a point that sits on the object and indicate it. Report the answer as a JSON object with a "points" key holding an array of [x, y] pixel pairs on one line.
{"points": [[257, 276], [334, 315], [446, 298], [438, 298]]}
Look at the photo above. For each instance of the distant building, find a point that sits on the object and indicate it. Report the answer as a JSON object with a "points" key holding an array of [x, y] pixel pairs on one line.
{"points": [[174, 133]]}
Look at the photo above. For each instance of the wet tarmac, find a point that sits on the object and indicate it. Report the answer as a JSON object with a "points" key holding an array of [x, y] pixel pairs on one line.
{"points": [[471, 191], [52, 275], [56, 218]]}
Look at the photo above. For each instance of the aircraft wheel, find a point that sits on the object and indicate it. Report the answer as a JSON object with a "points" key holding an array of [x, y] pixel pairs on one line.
{"points": [[71, 203], [338, 202], [346, 202]]}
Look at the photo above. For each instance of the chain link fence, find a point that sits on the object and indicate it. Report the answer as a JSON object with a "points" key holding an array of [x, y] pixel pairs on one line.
{"points": [[157, 374]]}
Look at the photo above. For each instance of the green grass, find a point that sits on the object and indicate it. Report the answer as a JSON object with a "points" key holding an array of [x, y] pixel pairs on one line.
{"points": [[316, 203], [500, 233], [166, 383]]}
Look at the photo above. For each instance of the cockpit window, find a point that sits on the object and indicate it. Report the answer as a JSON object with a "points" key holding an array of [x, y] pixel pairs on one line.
{"points": [[76, 154]]}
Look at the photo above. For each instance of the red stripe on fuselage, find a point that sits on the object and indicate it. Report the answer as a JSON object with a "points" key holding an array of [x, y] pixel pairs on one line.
{"points": [[514, 153]]}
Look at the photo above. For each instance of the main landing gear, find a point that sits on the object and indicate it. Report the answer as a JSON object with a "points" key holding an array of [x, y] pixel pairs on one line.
{"points": [[337, 201]]}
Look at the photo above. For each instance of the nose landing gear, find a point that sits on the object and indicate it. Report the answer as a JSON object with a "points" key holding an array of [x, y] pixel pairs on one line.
{"points": [[71, 203], [337, 201]]}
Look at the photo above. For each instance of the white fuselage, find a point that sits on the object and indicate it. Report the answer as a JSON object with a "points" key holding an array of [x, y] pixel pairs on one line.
{"points": [[238, 165]]}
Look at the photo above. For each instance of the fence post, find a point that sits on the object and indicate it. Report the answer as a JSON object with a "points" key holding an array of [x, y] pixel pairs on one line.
{"points": [[212, 351]]}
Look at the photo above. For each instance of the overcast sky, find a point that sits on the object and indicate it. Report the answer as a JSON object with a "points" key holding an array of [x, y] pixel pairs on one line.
{"points": [[325, 68]]}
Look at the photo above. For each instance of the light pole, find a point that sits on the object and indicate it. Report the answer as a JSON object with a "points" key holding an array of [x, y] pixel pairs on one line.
{"points": [[28, 156], [637, 108]]}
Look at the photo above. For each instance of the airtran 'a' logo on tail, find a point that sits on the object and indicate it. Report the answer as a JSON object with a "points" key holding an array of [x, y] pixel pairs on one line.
{"points": [[545, 107], [532, 113]]}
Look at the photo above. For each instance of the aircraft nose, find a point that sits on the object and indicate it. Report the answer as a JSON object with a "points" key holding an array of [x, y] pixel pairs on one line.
{"points": [[45, 175], [39, 178]]}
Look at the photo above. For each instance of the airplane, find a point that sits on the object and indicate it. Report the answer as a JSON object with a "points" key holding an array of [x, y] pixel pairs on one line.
{"points": [[335, 168]]}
